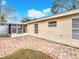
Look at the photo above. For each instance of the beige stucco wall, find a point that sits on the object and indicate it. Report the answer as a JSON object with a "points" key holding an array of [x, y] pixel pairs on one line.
{"points": [[61, 34]]}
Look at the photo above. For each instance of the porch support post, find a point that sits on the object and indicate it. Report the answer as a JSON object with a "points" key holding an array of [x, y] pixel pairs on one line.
{"points": [[22, 28], [16, 28], [11, 28]]}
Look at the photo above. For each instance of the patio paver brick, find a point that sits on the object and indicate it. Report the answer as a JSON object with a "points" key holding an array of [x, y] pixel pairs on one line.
{"points": [[10, 45]]}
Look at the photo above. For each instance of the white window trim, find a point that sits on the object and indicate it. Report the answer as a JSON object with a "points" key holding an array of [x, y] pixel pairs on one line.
{"points": [[51, 24]]}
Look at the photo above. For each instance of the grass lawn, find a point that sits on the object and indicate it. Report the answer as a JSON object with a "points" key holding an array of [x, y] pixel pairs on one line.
{"points": [[28, 54]]}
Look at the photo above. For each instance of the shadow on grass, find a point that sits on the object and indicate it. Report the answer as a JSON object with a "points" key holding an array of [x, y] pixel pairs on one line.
{"points": [[28, 54]]}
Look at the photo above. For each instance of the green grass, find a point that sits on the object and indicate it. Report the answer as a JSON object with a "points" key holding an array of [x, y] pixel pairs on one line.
{"points": [[28, 54]]}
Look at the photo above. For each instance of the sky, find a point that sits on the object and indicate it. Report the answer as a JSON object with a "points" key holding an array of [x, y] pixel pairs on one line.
{"points": [[31, 8]]}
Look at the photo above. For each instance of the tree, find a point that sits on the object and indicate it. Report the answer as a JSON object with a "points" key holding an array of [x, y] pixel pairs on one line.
{"points": [[2, 18], [5, 11], [64, 5], [75, 4], [25, 19]]}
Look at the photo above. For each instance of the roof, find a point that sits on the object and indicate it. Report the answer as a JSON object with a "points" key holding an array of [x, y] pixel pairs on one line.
{"points": [[56, 16], [10, 23]]}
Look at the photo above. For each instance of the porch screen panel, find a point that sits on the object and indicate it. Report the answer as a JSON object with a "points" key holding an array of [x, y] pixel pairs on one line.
{"points": [[13, 27], [75, 28], [19, 29], [24, 28]]}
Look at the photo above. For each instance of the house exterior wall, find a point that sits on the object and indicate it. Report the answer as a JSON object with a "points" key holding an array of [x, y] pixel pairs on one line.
{"points": [[61, 34]]}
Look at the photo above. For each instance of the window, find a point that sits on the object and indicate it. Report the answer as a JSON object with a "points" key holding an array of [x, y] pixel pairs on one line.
{"points": [[52, 24], [36, 28], [75, 28]]}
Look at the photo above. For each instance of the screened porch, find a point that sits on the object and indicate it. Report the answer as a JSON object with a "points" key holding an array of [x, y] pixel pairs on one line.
{"points": [[17, 28]]}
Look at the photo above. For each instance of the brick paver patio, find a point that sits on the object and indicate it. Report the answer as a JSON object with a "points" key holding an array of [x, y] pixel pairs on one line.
{"points": [[9, 45]]}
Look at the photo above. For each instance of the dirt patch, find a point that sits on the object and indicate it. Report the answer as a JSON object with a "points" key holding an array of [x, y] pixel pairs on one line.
{"points": [[28, 54]]}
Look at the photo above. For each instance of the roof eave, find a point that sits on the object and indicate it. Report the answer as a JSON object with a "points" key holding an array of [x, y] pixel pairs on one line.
{"points": [[56, 16]]}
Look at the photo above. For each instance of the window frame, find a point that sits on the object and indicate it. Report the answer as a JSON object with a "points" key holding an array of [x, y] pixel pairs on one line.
{"points": [[52, 24], [36, 28], [74, 29]]}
